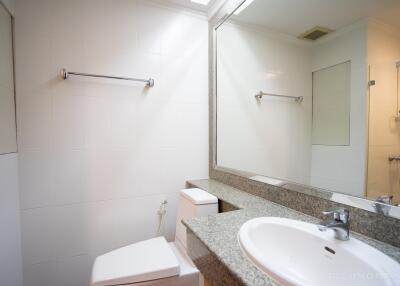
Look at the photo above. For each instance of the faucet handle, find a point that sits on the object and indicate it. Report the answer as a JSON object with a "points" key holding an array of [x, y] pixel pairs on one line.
{"points": [[386, 199], [339, 214]]}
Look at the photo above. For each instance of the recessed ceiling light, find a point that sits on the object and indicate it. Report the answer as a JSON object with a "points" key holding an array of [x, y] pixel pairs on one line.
{"points": [[201, 2], [243, 6]]}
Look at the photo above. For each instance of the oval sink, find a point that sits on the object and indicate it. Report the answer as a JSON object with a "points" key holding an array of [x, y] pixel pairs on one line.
{"points": [[297, 253]]}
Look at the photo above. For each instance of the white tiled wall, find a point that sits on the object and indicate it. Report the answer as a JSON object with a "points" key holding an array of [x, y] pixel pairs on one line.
{"points": [[10, 238], [272, 136], [343, 168], [97, 157], [10, 226], [8, 137], [289, 154]]}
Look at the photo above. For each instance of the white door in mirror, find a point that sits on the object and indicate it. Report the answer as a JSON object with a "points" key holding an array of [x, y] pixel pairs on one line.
{"points": [[295, 253]]}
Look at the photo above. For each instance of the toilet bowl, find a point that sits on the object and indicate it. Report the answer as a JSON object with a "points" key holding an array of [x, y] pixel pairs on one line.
{"points": [[155, 262]]}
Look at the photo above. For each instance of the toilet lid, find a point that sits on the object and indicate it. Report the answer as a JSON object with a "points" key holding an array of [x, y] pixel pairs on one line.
{"points": [[143, 261], [199, 197]]}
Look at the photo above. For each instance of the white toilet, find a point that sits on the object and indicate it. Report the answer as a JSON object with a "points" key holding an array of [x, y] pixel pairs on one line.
{"points": [[155, 262]]}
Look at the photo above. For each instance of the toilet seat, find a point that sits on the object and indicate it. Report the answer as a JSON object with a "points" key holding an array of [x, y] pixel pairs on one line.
{"points": [[155, 262], [143, 261]]}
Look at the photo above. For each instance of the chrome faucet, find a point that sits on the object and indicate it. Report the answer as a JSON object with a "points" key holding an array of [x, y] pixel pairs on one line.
{"points": [[383, 204], [340, 223]]}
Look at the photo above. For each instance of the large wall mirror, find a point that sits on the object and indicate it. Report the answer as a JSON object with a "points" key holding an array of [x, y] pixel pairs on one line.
{"points": [[7, 103], [307, 94]]}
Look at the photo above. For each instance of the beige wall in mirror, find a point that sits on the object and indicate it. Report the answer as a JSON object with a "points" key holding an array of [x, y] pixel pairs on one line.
{"points": [[7, 104], [384, 111], [294, 101]]}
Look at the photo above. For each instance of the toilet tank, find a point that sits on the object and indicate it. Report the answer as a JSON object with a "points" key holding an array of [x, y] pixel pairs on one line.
{"points": [[193, 203]]}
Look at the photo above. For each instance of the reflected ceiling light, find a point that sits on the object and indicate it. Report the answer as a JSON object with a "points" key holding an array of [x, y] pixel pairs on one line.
{"points": [[243, 6], [201, 2]]}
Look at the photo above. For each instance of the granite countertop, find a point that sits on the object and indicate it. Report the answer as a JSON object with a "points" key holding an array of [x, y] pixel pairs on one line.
{"points": [[219, 232]]}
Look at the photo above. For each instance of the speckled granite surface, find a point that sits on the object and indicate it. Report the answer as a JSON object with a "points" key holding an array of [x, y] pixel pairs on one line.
{"points": [[213, 244], [377, 226]]}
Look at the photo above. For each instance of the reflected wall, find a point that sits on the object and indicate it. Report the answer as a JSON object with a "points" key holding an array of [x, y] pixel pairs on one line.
{"points": [[311, 96], [273, 136]]}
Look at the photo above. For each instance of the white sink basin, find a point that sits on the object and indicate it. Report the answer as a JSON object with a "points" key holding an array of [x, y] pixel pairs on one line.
{"points": [[297, 253]]}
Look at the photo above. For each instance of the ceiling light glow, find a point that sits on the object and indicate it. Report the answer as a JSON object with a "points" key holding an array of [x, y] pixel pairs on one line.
{"points": [[242, 7], [201, 2]]}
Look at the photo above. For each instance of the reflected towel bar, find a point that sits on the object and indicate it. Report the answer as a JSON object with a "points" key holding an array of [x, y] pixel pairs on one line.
{"points": [[260, 95], [65, 74]]}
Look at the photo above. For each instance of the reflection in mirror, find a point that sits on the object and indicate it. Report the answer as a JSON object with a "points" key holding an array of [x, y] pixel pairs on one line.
{"points": [[7, 105], [307, 92], [331, 105]]}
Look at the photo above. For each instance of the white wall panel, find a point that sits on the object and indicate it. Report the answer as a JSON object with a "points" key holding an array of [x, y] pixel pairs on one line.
{"points": [[99, 156]]}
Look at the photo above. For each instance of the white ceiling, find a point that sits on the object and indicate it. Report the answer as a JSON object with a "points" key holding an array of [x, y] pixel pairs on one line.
{"points": [[188, 4], [293, 17]]}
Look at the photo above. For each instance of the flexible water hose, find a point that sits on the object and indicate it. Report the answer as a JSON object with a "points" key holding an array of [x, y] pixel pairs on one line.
{"points": [[161, 216]]}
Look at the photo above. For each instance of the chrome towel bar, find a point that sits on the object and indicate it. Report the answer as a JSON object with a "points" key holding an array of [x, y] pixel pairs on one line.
{"points": [[65, 74], [260, 95]]}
